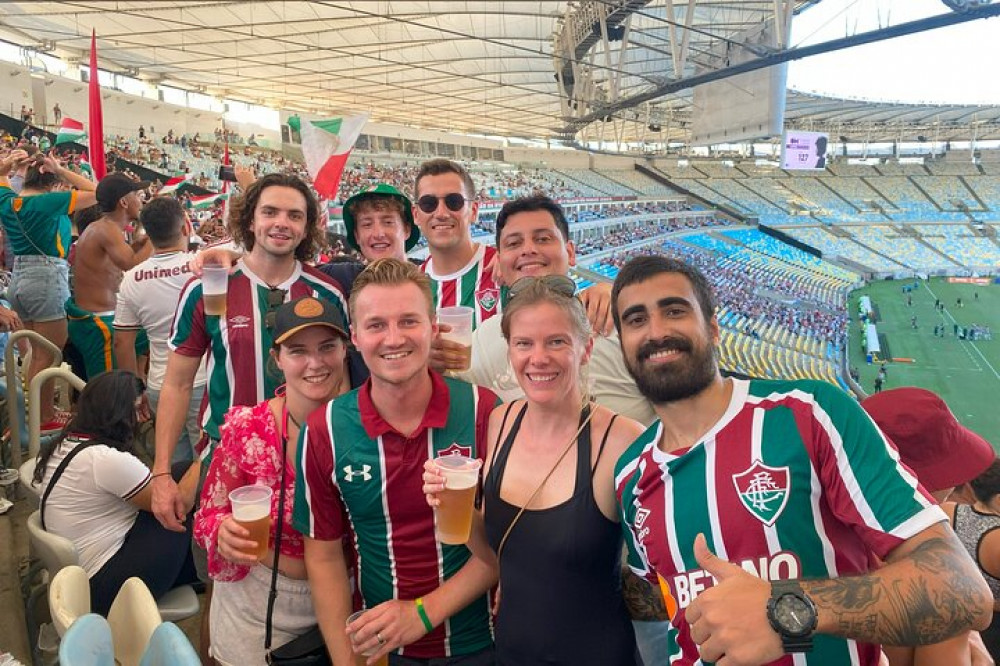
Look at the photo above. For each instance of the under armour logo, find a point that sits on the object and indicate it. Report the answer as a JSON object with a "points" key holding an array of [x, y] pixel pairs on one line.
{"points": [[365, 473]]}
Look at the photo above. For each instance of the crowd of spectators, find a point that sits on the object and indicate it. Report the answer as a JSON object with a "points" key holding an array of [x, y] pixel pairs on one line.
{"points": [[755, 293]]}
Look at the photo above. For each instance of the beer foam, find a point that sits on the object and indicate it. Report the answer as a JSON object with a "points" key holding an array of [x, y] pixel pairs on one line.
{"points": [[246, 513], [454, 480]]}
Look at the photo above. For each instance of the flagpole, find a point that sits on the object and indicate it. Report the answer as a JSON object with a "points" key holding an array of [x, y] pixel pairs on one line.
{"points": [[96, 134], [225, 154]]}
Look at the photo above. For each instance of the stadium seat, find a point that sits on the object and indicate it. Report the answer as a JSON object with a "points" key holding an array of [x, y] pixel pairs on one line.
{"points": [[168, 646], [87, 642], [133, 618], [69, 597], [56, 552]]}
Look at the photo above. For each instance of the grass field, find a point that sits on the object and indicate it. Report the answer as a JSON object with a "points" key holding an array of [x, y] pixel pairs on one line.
{"points": [[966, 374]]}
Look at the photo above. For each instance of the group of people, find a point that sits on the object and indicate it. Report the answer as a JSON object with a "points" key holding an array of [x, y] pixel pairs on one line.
{"points": [[761, 519]]}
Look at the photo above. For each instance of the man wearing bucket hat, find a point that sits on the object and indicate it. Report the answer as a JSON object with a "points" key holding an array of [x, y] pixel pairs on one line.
{"points": [[379, 223], [946, 457]]}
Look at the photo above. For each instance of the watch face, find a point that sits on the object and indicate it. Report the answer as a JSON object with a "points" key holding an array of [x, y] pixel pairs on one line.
{"points": [[793, 615]]}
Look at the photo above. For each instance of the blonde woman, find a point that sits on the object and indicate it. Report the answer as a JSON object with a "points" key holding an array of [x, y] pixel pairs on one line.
{"points": [[549, 501]]}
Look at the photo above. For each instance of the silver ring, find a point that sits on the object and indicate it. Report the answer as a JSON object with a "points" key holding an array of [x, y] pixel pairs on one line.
{"points": [[378, 635]]}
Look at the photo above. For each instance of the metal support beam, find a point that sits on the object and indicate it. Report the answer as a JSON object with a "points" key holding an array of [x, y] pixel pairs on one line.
{"points": [[908, 28]]}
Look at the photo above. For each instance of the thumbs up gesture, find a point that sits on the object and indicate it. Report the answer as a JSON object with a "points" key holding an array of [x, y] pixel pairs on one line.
{"points": [[728, 621]]}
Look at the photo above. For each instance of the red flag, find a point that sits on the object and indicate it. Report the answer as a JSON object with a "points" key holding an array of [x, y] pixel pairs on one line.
{"points": [[96, 135]]}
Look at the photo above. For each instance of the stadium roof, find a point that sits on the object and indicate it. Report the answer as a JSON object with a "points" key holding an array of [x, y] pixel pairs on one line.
{"points": [[479, 67]]}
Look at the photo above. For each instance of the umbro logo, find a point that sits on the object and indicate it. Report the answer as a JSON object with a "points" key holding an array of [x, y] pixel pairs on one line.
{"points": [[641, 532], [640, 517], [239, 321], [364, 473]]}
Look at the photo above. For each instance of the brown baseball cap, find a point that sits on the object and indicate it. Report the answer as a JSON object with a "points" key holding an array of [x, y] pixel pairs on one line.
{"points": [[304, 312]]}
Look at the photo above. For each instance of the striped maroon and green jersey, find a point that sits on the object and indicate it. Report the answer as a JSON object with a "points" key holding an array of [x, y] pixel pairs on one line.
{"points": [[794, 481], [239, 344], [359, 476], [473, 286]]}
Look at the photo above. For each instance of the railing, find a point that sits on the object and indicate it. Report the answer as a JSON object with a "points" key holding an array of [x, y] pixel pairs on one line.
{"points": [[13, 413]]}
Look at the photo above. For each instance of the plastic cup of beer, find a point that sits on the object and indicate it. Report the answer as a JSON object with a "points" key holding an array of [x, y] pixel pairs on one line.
{"points": [[362, 659], [459, 318], [252, 510], [453, 521], [214, 283]]}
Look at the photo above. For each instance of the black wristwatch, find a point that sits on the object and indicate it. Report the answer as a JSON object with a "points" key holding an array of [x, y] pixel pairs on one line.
{"points": [[792, 614]]}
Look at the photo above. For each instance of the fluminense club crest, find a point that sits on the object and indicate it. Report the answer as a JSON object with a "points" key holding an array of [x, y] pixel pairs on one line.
{"points": [[763, 490], [488, 299], [456, 450]]}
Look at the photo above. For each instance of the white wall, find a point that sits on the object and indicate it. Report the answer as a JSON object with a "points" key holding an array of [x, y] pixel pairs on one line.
{"points": [[611, 163], [557, 159], [122, 113], [15, 89]]}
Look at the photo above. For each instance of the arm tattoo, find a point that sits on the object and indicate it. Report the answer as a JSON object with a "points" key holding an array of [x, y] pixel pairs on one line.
{"points": [[642, 599], [940, 598]]}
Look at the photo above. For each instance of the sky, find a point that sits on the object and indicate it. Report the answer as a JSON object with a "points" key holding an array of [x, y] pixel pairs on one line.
{"points": [[953, 65]]}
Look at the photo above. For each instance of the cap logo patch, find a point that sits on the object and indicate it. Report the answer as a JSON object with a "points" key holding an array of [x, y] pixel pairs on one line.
{"points": [[308, 307]]}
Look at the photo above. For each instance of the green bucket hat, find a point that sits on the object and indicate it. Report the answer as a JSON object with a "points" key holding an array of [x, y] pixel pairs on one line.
{"points": [[381, 190]]}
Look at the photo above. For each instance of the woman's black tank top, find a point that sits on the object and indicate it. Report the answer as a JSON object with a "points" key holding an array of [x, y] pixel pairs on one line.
{"points": [[560, 573]]}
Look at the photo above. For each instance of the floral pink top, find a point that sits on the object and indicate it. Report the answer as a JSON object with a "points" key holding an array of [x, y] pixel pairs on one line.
{"points": [[248, 453]]}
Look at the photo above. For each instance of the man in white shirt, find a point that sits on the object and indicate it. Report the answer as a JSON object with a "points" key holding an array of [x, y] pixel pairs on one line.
{"points": [[147, 300], [532, 237]]}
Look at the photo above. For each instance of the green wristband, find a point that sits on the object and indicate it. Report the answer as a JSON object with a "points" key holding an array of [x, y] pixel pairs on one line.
{"points": [[423, 614]]}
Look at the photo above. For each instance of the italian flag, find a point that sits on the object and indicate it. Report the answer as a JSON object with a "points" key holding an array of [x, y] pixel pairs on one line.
{"points": [[172, 185], [70, 130], [326, 145], [208, 200]]}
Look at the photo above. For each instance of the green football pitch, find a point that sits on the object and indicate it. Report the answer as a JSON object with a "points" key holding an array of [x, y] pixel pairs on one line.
{"points": [[965, 373]]}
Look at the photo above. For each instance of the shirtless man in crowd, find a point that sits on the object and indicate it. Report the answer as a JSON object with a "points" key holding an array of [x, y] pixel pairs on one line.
{"points": [[102, 254]]}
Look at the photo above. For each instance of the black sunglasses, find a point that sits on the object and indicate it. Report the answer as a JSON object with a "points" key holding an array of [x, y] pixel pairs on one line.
{"points": [[453, 202], [560, 284], [275, 299]]}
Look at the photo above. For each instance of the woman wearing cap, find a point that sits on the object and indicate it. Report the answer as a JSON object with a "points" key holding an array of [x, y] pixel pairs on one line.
{"points": [[310, 348], [554, 454]]}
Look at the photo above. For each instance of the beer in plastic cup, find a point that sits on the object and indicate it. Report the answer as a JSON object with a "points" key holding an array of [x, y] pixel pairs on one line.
{"points": [[362, 659], [252, 510], [459, 318], [214, 283], [453, 521]]}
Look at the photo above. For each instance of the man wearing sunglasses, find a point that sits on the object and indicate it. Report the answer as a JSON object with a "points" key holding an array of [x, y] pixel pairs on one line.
{"points": [[445, 209], [532, 237]]}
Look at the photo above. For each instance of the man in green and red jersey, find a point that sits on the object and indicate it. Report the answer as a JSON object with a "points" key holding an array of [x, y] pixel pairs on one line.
{"points": [[445, 208], [360, 468], [277, 221], [791, 484]]}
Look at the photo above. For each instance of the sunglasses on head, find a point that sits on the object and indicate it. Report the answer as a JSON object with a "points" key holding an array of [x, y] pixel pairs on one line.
{"points": [[560, 284], [453, 202], [275, 299]]}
